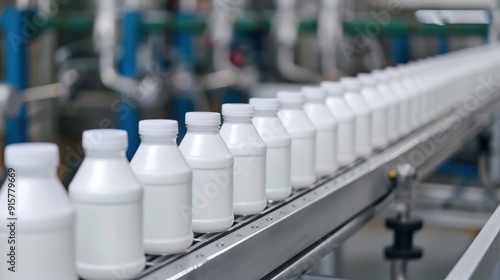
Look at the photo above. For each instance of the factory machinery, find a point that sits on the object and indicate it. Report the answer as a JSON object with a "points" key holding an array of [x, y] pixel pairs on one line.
{"points": [[290, 237]]}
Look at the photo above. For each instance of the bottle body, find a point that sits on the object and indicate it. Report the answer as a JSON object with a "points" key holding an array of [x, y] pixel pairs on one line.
{"points": [[249, 171], [326, 138], [363, 120], [345, 129], [404, 108], [303, 146], [44, 230], [166, 178], [392, 112], [108, 202], [278, 155], [412, 92], [379, 116], [212, 187]]}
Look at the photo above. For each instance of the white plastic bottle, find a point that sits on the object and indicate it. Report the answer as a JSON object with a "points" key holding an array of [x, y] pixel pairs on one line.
{"points": [[405, 105], [278, 143], [344, 116], [166, 178], [380, 107], [249, 152], [413, 92], [108, 201], [212, 164], [37, 233], [326, 130], [363, 116], [303, 135], [384, 88]]}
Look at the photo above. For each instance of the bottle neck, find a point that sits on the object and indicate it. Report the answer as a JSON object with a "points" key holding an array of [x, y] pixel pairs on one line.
{"points": [[39, 171], [159, 139], [292, 106], [266, 113], [208, 129], [238, 119], [315, 101], [110, 154]]}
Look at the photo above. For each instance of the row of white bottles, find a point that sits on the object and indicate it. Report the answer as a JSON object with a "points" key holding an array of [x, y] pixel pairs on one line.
{"points": [[118, 211]]}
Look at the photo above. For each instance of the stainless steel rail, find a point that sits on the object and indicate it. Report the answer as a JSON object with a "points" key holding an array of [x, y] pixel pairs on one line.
{"points": [[266, 245], [482, 255]]}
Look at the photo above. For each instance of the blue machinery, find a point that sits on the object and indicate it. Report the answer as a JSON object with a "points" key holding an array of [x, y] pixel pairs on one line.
{"points": [[16, 39], [128, 67]]}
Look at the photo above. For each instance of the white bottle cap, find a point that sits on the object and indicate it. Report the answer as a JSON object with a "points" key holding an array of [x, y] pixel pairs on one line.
{"points": [[367, 79], [314, 93], [238, 110], [158, 127], [351, 84], [381, 75], [392, 72], [32, 155], [105, 139], [333, 88], [291, 97], [203, 118], [265, 104]]}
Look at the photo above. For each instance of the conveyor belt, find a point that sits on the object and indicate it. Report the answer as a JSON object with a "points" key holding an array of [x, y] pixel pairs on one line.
{"points": [[258, 246]]}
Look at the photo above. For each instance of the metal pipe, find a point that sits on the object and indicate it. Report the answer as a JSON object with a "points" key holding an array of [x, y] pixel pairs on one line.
{"points": [[291, 71], [286, 30], [221, 30], [44, 92], [105, 40], [23, 4], [329, 33], [226, 73], [105, 37]]}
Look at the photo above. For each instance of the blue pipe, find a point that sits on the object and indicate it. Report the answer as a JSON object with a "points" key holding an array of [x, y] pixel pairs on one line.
{"points": [[16, 39], [400, 49], [459, 169], [128, 68], [489, 19], [182, 105], [182, 101], [443, 46]]}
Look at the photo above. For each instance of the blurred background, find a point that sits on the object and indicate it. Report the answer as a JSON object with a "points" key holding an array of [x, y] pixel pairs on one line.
{"points": [[72, 65]]}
